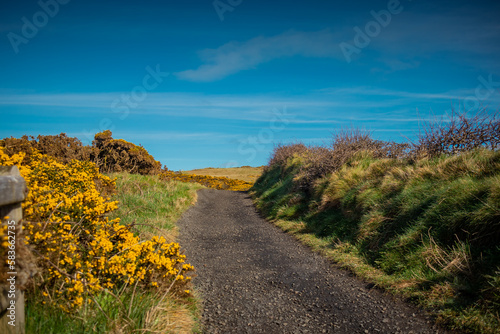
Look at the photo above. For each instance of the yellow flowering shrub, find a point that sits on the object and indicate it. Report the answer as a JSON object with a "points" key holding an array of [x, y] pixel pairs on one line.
{"points": [[118, 155], [216, 182], [60, 146], [110, 155], [80, 251]]}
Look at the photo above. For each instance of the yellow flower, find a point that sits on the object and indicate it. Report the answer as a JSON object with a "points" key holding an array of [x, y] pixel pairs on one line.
{"points": [[94, 251]]}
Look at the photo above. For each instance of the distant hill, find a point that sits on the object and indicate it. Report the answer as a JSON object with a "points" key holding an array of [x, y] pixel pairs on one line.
{"points": [[245, 173]]}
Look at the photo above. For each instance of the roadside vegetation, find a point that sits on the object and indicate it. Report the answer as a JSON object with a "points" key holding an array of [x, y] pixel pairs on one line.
{"points": [[419, 219], [103, 254], [151, 205], [108, 154]]}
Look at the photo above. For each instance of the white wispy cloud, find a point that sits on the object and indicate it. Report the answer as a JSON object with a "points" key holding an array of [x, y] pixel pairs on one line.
{"points": [[371, 91], [229, 107], [325, 106], [455, 31], [234, 57], [93, 100]]}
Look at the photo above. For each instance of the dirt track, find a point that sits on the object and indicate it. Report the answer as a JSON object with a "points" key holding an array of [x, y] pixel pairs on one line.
{"points": [[256, 279]]}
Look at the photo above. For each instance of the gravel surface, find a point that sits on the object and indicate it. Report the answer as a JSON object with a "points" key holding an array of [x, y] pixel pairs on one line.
{"points": [[256, 279]]}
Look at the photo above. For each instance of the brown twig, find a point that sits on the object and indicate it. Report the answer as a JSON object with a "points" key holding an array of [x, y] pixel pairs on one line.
{"points": [[171, 285]]}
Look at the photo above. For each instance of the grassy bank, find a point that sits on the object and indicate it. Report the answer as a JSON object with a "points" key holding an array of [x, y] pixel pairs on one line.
{"points": [[152, 206], [426, 228]]}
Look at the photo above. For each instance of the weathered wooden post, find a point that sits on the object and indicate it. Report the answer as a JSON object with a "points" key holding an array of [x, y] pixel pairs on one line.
{"points": [[13, 190]]}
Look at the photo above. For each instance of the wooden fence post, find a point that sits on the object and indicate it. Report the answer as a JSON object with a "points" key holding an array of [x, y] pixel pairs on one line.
{"points": [[13, 190]]}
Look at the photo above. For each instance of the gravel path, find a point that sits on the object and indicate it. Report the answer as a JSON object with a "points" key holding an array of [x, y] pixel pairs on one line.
{"points": [[256, 279]]}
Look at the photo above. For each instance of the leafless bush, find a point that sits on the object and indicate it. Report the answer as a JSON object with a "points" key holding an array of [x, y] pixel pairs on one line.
{"points": [[347, 142], [319, 161], [282, 152], [395, 150], [459, 133]]}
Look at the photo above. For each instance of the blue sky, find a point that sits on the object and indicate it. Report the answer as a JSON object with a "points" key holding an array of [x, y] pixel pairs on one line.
{"points": [[217, 83]]}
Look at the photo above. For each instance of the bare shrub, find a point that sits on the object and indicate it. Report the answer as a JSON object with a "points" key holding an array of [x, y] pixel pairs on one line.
{"points": [[281, 153], [319, 161], [348, 142], [459, 133], [393, 150]]}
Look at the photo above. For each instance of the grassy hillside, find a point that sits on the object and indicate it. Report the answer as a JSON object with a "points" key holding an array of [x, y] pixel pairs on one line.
{"points": [[427, 228], [215, 182], [245, 173]]}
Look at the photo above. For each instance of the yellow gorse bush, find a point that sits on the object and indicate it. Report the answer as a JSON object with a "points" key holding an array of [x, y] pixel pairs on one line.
{"points": [[80, 251], [216, 182]]}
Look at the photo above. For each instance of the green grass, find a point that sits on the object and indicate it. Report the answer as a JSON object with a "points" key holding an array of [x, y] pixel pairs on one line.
{"points": [[146, 313], [154, 206], [427, 229]]}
